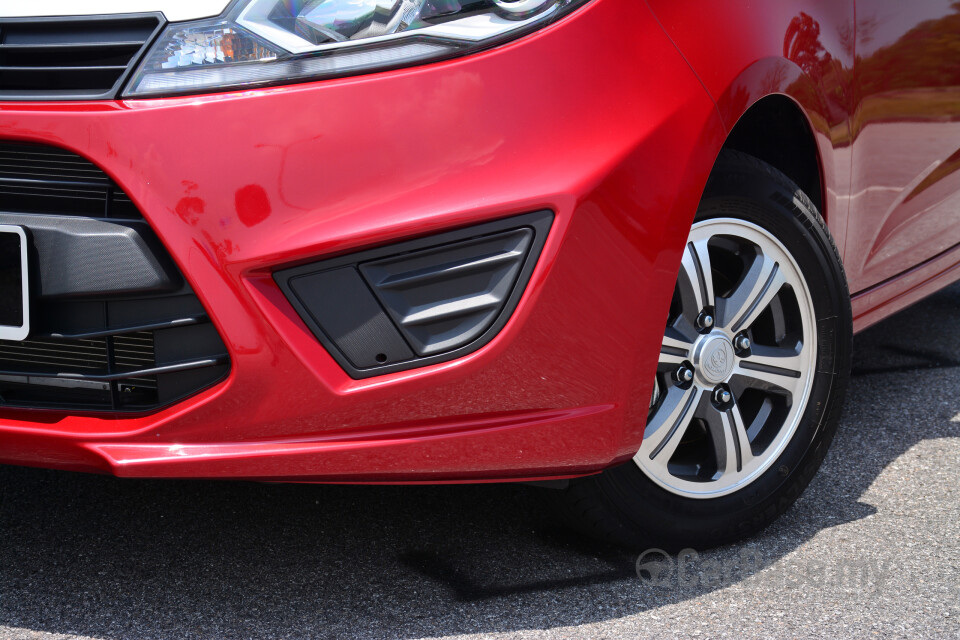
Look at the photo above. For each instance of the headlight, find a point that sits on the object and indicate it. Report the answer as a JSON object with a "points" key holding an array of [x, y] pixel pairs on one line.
{"points": [[260, 42]]}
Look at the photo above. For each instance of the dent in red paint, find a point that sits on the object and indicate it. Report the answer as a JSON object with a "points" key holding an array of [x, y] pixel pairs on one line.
{"points": [[189, 209], [252, 204]]}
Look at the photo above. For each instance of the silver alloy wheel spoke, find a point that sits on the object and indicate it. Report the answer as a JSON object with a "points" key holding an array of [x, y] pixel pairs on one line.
{"points": [[768, 367], [765, 381], [699, 365], [784, 359], [728, 457], [753, 295], [674, 349], [695, 267], [663, 435], [739, 433]]}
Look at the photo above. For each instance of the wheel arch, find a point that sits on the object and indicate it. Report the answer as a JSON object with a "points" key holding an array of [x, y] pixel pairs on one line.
{"points": [[775, 130], [775, 111]]}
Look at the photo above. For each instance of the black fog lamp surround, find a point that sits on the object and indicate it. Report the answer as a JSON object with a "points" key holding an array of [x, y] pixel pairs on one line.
{"points": [[418, 302]]}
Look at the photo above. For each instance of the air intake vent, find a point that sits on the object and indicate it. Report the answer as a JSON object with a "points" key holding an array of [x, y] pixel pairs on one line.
{"points": [[419, 302], [73, 58], [444, 298], [81, 369], [114, 326], [41, 179]]}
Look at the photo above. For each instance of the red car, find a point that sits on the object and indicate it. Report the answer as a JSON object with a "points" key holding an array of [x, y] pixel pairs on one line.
{"points": [[615, 245]]}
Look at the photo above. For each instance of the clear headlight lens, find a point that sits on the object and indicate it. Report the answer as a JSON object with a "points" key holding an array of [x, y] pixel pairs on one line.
{"points": [[260, 42]]}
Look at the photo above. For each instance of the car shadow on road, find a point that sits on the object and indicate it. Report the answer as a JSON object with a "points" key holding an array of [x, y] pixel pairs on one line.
{"points": [[101, 557]]}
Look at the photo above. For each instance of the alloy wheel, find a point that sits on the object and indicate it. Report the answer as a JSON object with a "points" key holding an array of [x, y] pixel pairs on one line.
{"points": [[736, 363]]}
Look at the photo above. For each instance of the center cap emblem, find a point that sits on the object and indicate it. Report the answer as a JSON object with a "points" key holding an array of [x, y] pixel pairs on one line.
{"points": [[715, 361]]}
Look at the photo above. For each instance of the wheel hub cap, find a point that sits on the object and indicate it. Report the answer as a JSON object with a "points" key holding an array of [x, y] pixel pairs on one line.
{"points": [[714, 359]]}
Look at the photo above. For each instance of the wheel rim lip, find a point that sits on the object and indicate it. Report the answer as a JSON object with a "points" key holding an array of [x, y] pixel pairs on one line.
{"points": [[658, 473]]}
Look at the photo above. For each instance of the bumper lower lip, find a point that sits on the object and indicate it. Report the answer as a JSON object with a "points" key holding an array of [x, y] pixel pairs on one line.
{"points": [[497, 438], [238, 186]]}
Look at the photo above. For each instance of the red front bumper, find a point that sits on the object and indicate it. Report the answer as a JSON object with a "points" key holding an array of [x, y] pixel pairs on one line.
{"points": [[596, 117]]}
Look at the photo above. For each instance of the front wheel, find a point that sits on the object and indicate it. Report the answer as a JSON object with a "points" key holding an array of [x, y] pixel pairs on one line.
{"points": [[750, 380]]}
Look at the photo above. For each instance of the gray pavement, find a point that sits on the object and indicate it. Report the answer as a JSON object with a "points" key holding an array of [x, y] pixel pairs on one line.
{"points": [[872, 549]]}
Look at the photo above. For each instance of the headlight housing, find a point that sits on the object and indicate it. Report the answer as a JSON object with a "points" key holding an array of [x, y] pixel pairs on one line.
{"points": [[263, 42]]}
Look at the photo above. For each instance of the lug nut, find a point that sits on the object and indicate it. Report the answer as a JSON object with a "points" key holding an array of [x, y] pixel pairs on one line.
{"points": [[722, 396], [684, 374], [705, 321], [742, 343]]}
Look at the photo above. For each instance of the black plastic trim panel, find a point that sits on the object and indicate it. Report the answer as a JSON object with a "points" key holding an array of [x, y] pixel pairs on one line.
{"points": [[418, 302], [91, 256]]}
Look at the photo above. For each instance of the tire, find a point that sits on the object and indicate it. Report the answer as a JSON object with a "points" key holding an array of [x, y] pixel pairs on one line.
{"points": [[721, 483]]}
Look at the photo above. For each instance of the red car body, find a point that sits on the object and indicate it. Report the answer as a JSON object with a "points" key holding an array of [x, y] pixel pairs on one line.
{"points": [[611, 117]]}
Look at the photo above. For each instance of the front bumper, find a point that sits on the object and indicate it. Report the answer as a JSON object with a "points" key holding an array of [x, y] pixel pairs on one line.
{"points": [[596, 118]]}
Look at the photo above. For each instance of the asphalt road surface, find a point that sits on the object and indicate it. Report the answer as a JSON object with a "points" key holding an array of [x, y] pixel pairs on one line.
{"points": [[871, 550]]}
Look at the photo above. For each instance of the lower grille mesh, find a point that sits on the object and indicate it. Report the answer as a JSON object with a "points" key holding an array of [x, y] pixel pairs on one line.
{"points": [[134, 351], [52, 354], [122, 372]]}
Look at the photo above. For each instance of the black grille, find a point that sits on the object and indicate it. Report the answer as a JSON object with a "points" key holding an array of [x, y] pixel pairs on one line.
{"points": [[133, 351], [40, 179], [80, 57]]}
